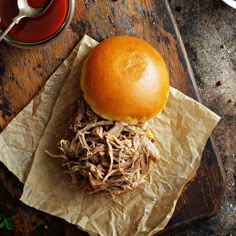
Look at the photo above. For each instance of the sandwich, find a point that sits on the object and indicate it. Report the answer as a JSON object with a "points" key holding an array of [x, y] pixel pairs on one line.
{"points": [[109, 147]]}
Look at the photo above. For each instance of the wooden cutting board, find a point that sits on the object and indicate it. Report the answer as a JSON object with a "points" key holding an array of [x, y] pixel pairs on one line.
{"points": [[24, 72]]}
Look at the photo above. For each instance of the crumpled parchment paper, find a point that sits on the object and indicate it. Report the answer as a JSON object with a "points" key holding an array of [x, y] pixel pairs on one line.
{"points": [[181, 132]]}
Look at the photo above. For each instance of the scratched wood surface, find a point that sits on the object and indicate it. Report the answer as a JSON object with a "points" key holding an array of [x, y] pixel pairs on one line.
{"points": [[24, 72]]}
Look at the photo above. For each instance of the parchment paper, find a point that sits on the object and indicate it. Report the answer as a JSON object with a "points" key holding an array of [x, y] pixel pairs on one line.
{"points": [[181, 132]]}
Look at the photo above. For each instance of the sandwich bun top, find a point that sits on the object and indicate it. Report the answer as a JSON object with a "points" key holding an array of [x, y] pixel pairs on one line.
{"points": [[125, 79]]}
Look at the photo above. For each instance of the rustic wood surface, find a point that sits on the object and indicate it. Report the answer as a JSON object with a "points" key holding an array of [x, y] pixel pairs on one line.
{"points": [[24, 72]]}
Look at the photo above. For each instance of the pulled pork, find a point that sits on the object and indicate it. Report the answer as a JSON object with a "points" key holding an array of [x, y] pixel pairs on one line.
{"points": [[111, 156]]}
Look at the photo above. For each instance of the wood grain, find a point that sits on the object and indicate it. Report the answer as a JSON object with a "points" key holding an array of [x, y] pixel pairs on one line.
{"points": [[24, 72]]}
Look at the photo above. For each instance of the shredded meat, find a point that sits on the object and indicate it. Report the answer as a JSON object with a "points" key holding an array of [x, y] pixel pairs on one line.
{"points": [[111, 156]]}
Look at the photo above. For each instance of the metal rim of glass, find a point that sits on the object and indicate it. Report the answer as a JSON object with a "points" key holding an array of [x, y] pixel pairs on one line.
{"points": [[65, 23]]}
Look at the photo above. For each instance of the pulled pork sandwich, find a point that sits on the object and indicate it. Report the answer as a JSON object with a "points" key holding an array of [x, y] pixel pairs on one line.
{"points": [[110, 148]]}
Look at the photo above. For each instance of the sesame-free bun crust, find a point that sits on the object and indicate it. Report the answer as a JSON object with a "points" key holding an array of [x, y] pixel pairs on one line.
{"points": [[125, 79]]}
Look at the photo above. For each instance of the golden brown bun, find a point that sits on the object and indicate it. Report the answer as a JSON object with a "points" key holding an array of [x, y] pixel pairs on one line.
{"points": [[124, 78]]}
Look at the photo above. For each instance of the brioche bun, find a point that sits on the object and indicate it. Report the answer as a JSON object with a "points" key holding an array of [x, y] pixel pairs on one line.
{"points": [[125, 79]]}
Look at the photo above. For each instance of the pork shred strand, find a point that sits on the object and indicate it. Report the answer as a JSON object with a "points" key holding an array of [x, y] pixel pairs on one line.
{"points": [[111, 156]]}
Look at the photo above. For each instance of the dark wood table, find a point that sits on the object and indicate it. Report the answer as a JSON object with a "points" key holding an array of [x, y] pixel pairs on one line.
{"points": [[24, 72]]}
